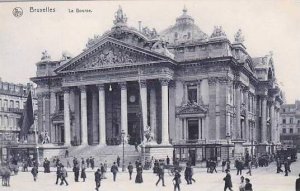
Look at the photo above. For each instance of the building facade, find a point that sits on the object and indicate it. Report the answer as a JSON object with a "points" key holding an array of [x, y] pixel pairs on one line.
{"points": [[190, 88], [12, 102], [290, 124]]}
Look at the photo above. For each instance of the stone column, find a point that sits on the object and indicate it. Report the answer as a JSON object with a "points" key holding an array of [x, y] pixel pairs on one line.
{"points": [[164, 111], [264, 119], [143, 92], [247, 130], [272, 120], [153, 111], [102, 127], [238, 109], [84, 134], [124, 119], [95, 117], [52, 102], [67, 125]]}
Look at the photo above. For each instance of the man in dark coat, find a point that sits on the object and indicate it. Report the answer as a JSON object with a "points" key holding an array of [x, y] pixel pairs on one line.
{"points": [[227, 179], [248, 185], [87, 163], [298, 184], [130, 170], [168, 160], [92, 163], [98, 177], [187, 173], [286, 167], [76, 170], [161, 175], [34, 172], [58, 174], [177, 180], [114, 169]]}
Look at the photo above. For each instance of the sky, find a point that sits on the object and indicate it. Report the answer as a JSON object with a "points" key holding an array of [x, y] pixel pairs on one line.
{"points": [[267, 26]]}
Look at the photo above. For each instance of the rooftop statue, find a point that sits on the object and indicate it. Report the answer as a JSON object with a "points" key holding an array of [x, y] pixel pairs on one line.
{"points": [[45, 56], [218, 32], [120, 17], [238, 37]]}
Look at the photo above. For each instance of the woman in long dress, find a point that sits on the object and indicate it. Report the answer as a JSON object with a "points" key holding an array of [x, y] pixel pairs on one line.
{"points": [[139, 174]]}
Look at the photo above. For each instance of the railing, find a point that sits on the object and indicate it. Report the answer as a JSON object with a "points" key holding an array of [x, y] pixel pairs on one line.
{"points": [[15, 110]]}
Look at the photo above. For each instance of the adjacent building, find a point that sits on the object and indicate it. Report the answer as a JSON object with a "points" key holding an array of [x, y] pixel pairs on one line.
{"points": [[290, 124], [201, 94], [12, 102]]}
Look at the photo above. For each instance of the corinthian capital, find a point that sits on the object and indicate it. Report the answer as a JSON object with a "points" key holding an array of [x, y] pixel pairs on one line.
{"points": [[143, 83], [164, 82], [123, 85]]}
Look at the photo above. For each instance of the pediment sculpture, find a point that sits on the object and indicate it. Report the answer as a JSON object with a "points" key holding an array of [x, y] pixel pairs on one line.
{"points": [[191, 108], [238, 37], [218, 32]]}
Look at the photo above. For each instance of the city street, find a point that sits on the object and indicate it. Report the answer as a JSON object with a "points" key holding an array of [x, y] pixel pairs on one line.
{"points": [[263, 179]]}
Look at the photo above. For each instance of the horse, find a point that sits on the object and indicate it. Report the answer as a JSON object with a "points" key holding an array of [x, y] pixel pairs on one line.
{"points": [[5, 173]]}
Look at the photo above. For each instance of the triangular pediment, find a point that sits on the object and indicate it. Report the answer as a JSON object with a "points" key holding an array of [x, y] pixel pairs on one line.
{"points": [[191, 108], [110, 53]]}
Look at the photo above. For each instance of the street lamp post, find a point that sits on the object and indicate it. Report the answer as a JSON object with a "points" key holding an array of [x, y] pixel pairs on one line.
{"points": [[123, 160], [228, 138], [252, 141]]}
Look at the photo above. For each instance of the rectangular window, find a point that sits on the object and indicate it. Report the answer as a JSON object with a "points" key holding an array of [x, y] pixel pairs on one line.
{"points": [[283, 130], [192, 94], [17, 104], [291, 130], [5, 104], [61, 102], [291, 120], [11, 104], [283, 121]]}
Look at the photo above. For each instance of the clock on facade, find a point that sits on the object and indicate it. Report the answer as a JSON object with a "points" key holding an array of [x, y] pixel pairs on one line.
{"points": [[132, 98]]}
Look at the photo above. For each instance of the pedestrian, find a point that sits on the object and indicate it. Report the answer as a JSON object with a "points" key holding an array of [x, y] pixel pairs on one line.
{"points": [[286, 168], [68, 163], [67, 153], [114, 169], [239, 167], [58, 174], [187, 173], [161, 174], [213, 166], [98, 177], [168, 160], [64, 175], [87, 162], [249, 168], [105, 169], [242, 184], [76, 170], [83, 174], [248, 185], [118, 161], [227, 179], [228, 164], [139, 174], [177, 180], [136, 146], [130, 170], [298, 184], [279, 164], [208, 166], [92, 163], [34, 172], [223, 165]]}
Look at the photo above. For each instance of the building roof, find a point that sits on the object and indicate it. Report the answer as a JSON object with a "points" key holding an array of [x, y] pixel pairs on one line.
{"points": [[184, 30]]}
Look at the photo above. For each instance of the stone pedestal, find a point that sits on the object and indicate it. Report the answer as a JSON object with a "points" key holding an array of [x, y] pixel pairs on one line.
{"points": [[156, 151], [238, 148]]}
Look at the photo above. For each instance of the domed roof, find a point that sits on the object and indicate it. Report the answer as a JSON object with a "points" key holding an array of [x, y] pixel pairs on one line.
{"points": [[184, 30]]}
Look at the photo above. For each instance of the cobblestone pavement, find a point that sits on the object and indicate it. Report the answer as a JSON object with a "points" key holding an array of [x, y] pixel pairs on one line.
{"points": [[263, 179]]}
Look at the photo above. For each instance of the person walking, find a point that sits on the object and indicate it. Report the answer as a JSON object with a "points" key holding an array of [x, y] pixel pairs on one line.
{"points": [[114, 169], [64, 175], [168, 160], [139, 174], [249, 168], [92, 162], [83, 174], [248, 185], [98, 177], [34, 172], [87, 160], [130, 170], [67, 153], [58, 174], [286, 168], [227, 179], [76, 170], [223, 165], [161, 175], [177, 180], [187, 174]]}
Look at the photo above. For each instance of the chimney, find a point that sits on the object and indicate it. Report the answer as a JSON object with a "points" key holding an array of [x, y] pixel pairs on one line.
{"points": [[140, 26]]}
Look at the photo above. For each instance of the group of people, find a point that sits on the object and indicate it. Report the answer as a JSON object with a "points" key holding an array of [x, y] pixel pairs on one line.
{"points": [[287, 166]]}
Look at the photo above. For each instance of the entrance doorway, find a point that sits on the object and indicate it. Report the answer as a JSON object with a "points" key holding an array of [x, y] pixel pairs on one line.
{"points": [[134, 129], [193, 129], [192, 156]]}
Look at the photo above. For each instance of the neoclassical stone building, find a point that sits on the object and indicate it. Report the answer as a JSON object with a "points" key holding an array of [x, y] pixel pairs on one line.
{"points": [[199, 93]]}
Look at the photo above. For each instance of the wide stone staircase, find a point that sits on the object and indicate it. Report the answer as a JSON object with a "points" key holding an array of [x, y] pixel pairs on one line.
{"points": [[101, 154]]}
